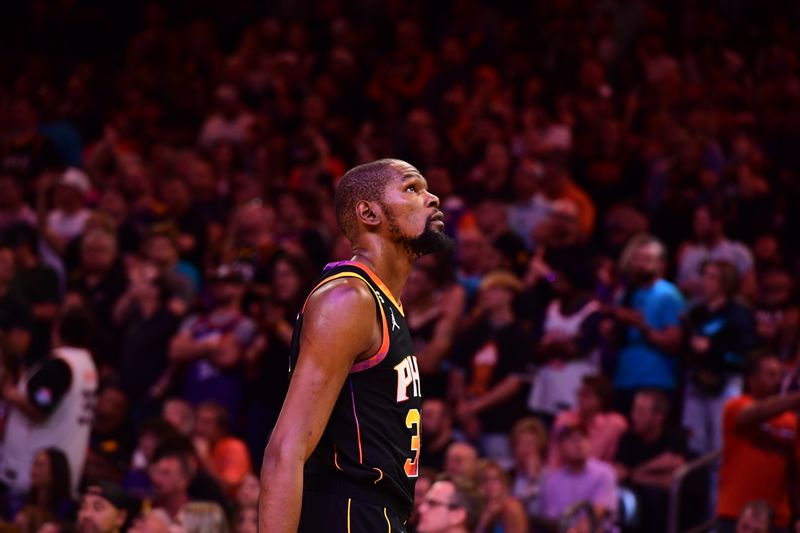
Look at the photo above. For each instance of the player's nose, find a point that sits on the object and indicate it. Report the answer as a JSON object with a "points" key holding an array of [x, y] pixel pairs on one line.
{"points": [[433, 200]]}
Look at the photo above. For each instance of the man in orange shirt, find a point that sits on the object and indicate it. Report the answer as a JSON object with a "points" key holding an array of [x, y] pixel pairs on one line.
{"points": [[759, 445]]}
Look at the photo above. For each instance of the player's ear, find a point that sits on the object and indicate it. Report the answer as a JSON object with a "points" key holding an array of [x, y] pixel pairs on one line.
{"points": [[368, 213]]}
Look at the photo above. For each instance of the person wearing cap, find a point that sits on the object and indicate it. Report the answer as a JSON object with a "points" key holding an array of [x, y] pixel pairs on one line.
{"points": [[578, 478], [488, 364], [69, 215], [104, 508], [209, 346]]}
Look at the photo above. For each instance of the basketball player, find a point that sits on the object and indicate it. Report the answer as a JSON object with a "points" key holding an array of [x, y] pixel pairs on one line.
{"points": [[343, 457]]}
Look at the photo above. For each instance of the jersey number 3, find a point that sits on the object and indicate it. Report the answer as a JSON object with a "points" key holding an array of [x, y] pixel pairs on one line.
{"points": [[413, 420]]}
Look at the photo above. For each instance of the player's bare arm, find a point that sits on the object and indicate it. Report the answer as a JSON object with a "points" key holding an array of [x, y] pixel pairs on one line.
{"points": [[339, 329]]}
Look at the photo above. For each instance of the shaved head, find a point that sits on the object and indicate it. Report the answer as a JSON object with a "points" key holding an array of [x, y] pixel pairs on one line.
{"points": [[364, 182]]}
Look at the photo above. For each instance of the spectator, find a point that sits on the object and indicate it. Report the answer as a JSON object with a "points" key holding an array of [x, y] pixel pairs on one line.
{"points": [[52, 405], [461, 461], [777, 314], [187, 220], [758, 444], [425, 481], [578, 478], [756, 517], [180, 415], [25, 152], [720, 331], [151, 434], [486, 382], [528, 444], [39, 284], [111, 440], [67, 220], [13, 208], [210, 346], [49, 494], [230, 123], [604, 426], [246, 519], [437, 432], [501, 509], [15, 315], [649, 314], [105, 508], [225, 457], [450, 506], [569, 339], [712, 244], [648, 455], [434, 305]]}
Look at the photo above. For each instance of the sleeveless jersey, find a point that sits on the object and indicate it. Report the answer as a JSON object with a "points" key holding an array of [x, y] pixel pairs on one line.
{"points": [[370, 447], [66, 428]]}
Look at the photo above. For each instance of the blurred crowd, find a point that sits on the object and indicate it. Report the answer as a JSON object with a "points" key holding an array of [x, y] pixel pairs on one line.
{"points": [[618, 176]]}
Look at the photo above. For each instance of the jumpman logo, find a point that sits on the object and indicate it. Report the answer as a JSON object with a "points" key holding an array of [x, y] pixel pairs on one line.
{"points": [[395, 325]]}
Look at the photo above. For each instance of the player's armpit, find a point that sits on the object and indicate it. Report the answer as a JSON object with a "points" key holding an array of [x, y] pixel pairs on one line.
{"points": [[339, 327]]}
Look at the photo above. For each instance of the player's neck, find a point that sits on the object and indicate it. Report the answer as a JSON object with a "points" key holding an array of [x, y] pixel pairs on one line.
{"points": [[391, 265]]}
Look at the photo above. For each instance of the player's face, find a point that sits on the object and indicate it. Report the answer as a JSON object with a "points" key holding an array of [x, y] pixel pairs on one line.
{"points": [[437, 512], [413, 218]]}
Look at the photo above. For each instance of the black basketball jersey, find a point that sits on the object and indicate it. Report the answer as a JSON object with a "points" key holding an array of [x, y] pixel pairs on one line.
{"points": [[370, 448]]}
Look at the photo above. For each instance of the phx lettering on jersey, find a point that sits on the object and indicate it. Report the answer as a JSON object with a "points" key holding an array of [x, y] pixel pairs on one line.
{"points": [[407, 376]]}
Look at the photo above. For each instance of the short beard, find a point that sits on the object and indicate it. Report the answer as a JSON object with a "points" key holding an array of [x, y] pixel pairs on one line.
{"points": [[428, 242]]}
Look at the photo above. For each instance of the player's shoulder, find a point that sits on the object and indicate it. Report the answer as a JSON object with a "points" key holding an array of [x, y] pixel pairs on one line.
{"points": [[346, 295]]}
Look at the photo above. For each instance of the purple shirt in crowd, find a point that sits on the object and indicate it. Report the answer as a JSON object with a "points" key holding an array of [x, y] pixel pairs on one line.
{"points": [[562, 488]]}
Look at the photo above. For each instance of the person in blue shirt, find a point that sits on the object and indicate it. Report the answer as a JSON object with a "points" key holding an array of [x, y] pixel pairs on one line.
{"points": [[648, 321]]}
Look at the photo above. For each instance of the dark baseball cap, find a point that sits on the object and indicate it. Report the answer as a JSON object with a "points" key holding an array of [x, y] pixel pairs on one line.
{"points": [[116, 495]]}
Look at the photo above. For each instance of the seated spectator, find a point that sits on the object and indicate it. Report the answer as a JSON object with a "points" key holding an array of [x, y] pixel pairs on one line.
{"points": [[501, 509], [105, 508], [711, 243], [13, 208], [489, 361], [180, 415], [225, 457], [604, 426], [756, 517], [66, 221], [49, 407], [528, 445], [579, 478], [758, 444], [151, 434], [451, 505], [777, 313], [461, 461], [177, 476], [154, 521], [720, 332], [569, 338], [209, 346], [425, 481], [648, 455], [49, 496], [437, 432], [649, 317]]}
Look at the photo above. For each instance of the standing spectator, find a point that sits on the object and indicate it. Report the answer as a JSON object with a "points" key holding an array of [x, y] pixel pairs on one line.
{"points": [[528, 444], [649, 314], [52, 405], [15, 319], [450, 506], [569, 339], [437, 432], [604, 426], [578, 478], [225, 457], [486, 382], [758, 444], [209, 346], [648, 456], [39, 284], [501, 509], [99, 283], [720, 332], [105, 508], [710, 244]]}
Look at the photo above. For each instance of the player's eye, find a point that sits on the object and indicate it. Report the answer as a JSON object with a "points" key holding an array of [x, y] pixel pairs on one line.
{"points": [[412, 188]]}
